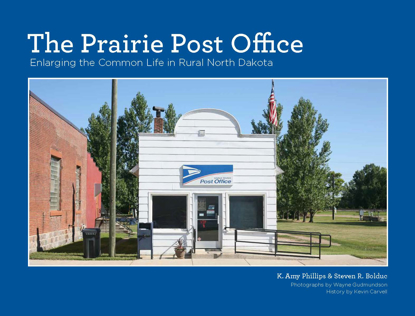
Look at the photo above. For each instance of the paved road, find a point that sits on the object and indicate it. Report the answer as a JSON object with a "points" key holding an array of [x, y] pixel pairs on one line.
{"points": [[327, 260]]}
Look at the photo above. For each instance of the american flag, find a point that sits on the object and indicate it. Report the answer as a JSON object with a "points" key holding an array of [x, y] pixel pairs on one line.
{"points": [[273, 119]]}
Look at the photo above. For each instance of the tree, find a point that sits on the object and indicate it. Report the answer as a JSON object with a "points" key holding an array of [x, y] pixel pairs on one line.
{"points": [[304, 162], [348, 199], [334, 189], [98, 134], [368, 189], [319, 197], [170, 119], [266, 128], [136, 119]]}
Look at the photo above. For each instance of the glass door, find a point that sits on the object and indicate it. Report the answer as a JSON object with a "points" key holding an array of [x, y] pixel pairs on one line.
{"points": [[208, 220]]}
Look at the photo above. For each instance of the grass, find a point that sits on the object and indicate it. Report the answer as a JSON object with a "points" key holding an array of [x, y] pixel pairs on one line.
{"points": [[133, 227], [357, 238], [353, 213], [127, 250], [353, 237]]}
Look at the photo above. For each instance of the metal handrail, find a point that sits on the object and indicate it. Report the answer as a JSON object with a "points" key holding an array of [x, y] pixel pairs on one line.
{"points": [[309, 243], [326, 235], [130, 231]]}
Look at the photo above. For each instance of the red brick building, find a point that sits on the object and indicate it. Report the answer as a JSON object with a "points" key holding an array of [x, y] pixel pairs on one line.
{"points": [[58, 164], [93, 192]]}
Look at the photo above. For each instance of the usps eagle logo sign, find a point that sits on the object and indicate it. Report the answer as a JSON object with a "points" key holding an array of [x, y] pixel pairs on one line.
{"points": [[207, 175]]}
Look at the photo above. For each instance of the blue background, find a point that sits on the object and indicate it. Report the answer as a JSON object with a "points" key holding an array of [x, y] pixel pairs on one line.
{"points": [[341, 39]]}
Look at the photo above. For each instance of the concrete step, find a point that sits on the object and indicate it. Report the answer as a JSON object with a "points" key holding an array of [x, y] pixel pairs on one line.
{"points": [[207, 254], [103, 224]]}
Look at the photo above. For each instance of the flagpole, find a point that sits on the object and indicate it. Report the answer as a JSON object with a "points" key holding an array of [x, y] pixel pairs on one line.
{"points": [[275, 144], [273, 117], [273, 133], [273, 125], [276, 149]]}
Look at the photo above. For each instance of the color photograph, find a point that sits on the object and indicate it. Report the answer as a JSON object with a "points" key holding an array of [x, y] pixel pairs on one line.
{"points": [[208, 172]]}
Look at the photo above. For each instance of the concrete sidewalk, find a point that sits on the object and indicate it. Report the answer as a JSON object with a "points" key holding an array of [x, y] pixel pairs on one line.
{"points": [[328, 260]]}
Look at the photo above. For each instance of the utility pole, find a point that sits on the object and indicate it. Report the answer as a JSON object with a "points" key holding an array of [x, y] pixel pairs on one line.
{"points": [[113, 170], [332, 197]]}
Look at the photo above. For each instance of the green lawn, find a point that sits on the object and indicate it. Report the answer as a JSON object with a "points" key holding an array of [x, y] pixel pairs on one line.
{"points": [[357, 238], [125, 251], [133, 227], [353, 213]]}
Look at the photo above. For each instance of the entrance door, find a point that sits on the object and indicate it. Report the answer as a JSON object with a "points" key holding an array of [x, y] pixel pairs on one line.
{"points": [[208, 221]]}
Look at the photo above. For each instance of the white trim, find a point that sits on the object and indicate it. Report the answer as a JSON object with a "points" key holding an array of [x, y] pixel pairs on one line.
{"points": [[217, 111], [169, 193], [170, 231], [156, 134], [135, 171], [239, 135], [264, 206]]}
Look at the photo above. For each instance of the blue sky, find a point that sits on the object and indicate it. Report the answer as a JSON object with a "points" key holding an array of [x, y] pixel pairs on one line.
{"points": [[355, 109]]}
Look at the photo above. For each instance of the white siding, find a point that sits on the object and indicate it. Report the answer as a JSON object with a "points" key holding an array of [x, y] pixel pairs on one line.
{"points": [[162, 156], [183, 158], [155, 164], [197, 151]]}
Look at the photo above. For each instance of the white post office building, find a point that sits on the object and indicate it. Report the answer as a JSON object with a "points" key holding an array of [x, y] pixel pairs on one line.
{"points": [[205, 180]]}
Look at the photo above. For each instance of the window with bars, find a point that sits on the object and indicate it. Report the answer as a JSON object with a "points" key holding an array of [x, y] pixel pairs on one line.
{"points": [[78, 188], [55, 183]]}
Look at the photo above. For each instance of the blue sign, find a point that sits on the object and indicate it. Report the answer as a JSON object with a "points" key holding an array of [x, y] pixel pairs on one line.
{"points": [[212, 175]]}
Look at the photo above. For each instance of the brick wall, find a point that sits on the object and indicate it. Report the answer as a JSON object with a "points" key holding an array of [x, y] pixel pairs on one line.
{"points": [[50, 134], [93, 203], [158, 125]]}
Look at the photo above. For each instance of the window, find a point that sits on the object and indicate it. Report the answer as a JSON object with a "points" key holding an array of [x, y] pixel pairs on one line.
{"points": [[169, 211], [78, 188], [55, 183], [246, 211]]}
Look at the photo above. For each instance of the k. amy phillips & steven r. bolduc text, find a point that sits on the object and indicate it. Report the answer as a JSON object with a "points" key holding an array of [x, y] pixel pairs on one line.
{"points": [[240, 43]]}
